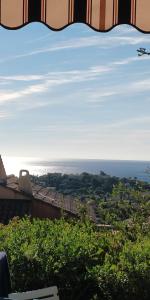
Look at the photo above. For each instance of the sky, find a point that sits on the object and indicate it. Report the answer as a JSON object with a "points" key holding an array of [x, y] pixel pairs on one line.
{"points": [[74, 93]]}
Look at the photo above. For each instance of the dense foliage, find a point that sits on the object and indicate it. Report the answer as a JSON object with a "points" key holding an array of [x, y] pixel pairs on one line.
{"points": [[83, 262], [113, 199], [85, 185], [125, 203], [82, 185]]}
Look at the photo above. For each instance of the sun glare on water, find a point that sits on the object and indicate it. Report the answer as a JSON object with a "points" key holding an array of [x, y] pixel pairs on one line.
{"points": [[13, 165]]}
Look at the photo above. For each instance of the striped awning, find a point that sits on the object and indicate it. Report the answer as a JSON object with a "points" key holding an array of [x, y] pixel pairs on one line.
{"points": [[101, 15]]}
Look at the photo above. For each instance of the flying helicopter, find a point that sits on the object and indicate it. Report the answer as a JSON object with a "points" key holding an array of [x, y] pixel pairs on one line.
{"points": [[142, 51]]}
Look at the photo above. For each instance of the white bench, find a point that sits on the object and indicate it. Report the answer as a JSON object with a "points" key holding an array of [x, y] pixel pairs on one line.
{"points": [[50, 293]]}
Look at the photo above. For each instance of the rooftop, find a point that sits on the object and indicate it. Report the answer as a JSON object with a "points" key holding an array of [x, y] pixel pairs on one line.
{"points": [[22, 188]]}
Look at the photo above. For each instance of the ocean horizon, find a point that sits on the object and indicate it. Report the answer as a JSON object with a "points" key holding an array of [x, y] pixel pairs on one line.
{"points": [[119, 168]]}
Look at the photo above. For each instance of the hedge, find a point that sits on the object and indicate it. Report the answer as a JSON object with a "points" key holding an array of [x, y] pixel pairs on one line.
{"points": [[83, 262]]}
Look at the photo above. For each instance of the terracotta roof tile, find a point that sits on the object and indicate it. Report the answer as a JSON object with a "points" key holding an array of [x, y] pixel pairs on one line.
{"points": [[44, 194]]}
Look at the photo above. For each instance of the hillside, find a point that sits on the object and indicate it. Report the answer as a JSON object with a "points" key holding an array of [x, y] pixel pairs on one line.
{"points": [[113, 199]]}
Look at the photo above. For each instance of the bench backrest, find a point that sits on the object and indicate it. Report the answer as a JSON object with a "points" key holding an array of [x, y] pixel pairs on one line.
{"points": [[50, 293]]}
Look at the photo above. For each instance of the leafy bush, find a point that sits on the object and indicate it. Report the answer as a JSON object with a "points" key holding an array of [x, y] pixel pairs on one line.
{"points": [[83, 262]]}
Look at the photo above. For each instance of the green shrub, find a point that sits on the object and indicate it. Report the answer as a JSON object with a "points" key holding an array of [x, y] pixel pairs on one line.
{"points": [[82, 262]]}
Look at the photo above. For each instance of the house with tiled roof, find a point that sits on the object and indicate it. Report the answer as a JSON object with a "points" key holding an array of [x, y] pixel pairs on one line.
{"points": [[20, 197]]}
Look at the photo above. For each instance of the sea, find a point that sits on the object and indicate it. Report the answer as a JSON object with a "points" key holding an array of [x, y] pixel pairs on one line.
{"points": [[119, 168]]}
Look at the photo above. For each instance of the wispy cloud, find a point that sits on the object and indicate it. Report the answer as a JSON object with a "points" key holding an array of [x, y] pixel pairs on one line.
{"points": [[102, 42], [126, 29], [130, 89], [9, 96], [49, 81], [129, 122], [98, 127], [5, 115], [26, 77], [42, 83]]}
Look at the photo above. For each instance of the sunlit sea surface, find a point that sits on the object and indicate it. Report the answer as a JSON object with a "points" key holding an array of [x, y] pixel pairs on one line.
{"points": [[112, 167]]}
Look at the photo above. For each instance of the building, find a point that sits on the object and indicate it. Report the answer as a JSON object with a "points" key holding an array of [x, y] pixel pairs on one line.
{"points": [[21, 197]]}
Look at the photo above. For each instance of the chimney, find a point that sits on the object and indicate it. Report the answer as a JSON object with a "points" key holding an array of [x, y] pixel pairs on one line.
{"points": [[24, 182], [3, 177]]}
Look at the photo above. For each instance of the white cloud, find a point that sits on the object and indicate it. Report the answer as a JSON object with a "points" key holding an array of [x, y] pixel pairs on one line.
{"points": [[46, 82], [104, 42], [99, 96], [4, 115], [124, 29], [129, 122], [127, 89], [50, 81], [26, 77], [101, 127], [141, 85]]}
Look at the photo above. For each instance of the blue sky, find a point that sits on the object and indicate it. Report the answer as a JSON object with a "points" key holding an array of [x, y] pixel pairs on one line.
{"points": [[74, 93]]}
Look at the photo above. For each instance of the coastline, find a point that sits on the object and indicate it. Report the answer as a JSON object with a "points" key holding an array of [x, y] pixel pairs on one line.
{"points": [[118, 168]]}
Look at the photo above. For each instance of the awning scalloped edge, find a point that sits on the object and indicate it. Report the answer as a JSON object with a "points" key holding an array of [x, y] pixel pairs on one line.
{"points": [[67, 25]]}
